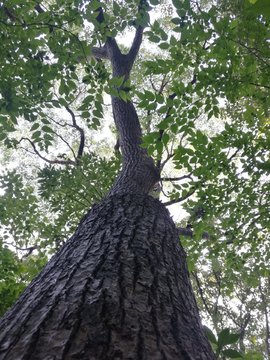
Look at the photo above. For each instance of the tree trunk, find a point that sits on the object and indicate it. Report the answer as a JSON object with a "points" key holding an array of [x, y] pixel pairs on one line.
{"points": [[118, 289]]}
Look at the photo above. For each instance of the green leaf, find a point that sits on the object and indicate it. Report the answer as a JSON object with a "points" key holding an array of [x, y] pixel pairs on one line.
{"points": [[123, 12], [155, 135], [63, 102], [178, 29], [233, 354], [176, 21], [116, 8], [163, 109], [223, 338], [88, 99], [151, 106], [159, 147], [150, 150], [117, 82], [47, 129], [165, 138], [178, 4], [85, 115], [173, 41], [2, 136], [210, 114], [123, 95], [181, 13], [163, 125], [34, 127], [112, 91], [234, 23], [169, 102], [159, 98], [233, 338], [191, 266], [164, 36], [174, 128], [61, 87], [186, 4], [99, 98], [210, 335], [36, 134], [56, 104], [149, 95], [97, 114], [260, 7], [154, 38], [164, 46]]}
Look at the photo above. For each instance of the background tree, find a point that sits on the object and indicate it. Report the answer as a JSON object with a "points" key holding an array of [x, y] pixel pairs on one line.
{"points": [[211, 62]]}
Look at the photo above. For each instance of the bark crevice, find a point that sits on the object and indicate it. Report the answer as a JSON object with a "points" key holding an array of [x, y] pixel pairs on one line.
{"points": [[105, 310]]}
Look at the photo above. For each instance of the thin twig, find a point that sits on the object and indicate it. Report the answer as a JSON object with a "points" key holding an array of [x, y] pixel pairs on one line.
{"points": [[172, 202], [179, 178], [194, 273], [55, 161]]}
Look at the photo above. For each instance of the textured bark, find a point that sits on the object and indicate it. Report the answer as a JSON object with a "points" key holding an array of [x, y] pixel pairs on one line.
{"points": [[118, 289], [139, 174]]}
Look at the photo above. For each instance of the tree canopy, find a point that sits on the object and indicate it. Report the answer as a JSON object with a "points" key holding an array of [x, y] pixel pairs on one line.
{"points": [[200, 87]]}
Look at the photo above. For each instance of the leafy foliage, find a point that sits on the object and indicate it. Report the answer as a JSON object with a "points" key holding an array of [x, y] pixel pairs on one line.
{"points": [[36, 225], [83, 186], [224, 338], [200, 85]]}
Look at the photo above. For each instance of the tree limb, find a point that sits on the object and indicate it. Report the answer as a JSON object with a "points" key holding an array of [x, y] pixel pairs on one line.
{"points": [[61, 137], [55, 161], [178, 179], [29, 249], [180, 199], [267, 328], [172, 96], [188, 232], [194, 273], [39, 8], [135, 47], [169, 156], [100, 52], [82, 140]]}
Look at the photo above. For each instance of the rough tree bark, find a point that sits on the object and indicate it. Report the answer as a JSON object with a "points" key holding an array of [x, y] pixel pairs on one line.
{"points": [[119, 288]]}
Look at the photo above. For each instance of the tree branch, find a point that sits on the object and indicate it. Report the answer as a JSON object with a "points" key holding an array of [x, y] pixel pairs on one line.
{"points": [[265, 308], [135, 47], [55, 161], [194, 273], [82, 140], [172, 96], [29, 249], [61, 137], [169, 156], [100, 52], [180, 199], [39, 8], [259, 85], [74, 125], [189, 232], [178, 179]]}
